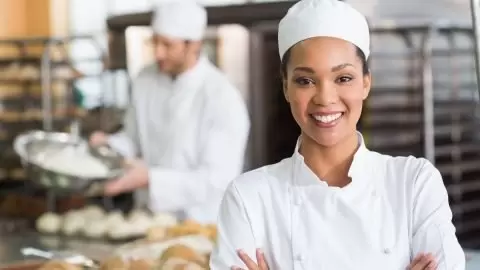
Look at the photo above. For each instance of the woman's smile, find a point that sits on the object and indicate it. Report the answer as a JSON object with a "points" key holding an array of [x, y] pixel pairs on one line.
{"points": [[326, 120]]}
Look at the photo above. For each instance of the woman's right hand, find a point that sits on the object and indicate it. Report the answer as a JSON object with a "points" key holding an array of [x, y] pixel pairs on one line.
{"points": [[423, 262], [252, 265]]}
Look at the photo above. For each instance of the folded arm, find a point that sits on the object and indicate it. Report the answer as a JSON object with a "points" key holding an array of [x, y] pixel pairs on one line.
{"points": [[234, 232], [433, 230]]}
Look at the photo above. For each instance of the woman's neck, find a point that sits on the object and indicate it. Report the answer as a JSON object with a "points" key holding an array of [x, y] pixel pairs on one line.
{"points": [[330, 164]]}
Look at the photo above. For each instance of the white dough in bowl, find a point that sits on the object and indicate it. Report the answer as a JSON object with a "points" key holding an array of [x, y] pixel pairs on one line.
{"points": [[49, 223], [73, 223], [72, 161]]}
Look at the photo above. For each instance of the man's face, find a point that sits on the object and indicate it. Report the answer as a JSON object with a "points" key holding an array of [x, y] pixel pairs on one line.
{"points": [[170, 53]]}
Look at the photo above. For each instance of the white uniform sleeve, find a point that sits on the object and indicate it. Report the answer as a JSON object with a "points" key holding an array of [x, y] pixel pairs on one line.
{"points": [[433, 230], [126, 141], [234, 232], [221, 159]]}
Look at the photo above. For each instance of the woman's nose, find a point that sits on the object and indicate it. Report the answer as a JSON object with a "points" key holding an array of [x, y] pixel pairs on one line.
{"points": [[325, 94]]}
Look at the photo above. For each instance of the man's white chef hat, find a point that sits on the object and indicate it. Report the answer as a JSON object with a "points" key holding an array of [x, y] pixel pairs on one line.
{"points": [[183, 19], [323, 18]]}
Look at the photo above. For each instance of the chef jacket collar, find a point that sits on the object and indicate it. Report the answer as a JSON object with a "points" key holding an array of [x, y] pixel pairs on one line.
{"points": [[303, 176]]}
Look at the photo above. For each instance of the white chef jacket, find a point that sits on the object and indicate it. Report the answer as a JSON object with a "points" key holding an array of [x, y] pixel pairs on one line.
{"points": [[192, 132], [394, 208]]}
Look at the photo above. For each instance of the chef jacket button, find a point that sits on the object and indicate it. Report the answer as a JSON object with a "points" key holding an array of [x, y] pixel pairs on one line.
{"points": [[386, 251], [299, 257], [297, 201]]}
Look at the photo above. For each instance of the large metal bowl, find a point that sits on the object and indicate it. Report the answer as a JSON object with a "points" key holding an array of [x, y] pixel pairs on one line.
{"points": [[31, 144]]}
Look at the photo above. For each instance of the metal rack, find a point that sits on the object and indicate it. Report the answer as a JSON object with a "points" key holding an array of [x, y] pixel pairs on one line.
{"points": [[423, 102], [44, 96]]}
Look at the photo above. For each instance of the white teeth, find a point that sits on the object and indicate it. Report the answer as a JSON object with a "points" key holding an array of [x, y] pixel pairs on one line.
{"points": [[327, 118]]}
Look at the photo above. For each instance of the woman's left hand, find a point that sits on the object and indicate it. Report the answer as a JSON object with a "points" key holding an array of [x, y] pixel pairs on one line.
{"points": [[262, 263]]}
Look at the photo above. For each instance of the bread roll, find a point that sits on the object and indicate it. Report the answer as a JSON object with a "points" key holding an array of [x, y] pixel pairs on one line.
{"points": [[140, 222], [96, 229], [181, 252], [120, 231], [114, 263], [49, 223], [73, 223], [164, 219], [93, 212], [140, 265], [58, 265], [156, 233], [114, 217]]}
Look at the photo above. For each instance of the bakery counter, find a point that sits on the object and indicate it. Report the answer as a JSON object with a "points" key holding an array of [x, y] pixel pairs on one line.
{"points": [[11, 245]]}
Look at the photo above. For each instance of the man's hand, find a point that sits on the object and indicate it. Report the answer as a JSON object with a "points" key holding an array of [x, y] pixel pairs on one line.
{"points": [[98, 138], [135, 177], [262, 262], [423, 262]]}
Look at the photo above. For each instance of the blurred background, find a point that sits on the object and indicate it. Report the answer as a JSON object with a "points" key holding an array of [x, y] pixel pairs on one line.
{"points": [[66, 61]]}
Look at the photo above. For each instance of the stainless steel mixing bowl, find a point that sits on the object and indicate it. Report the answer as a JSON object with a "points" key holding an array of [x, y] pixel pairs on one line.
{"points": [[31, 144]]}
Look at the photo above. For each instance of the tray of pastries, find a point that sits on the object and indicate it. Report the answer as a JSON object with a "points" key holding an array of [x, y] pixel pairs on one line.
{"points": [[186, 245], [94, 223]]}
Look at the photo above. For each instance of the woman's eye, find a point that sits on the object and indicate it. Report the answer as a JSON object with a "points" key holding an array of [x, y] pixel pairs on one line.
{"points": [[344, 79], [303, 81]]}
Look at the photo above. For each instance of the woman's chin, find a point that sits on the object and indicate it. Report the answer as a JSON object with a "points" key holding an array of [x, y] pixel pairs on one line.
{"points": [[325, 139]]}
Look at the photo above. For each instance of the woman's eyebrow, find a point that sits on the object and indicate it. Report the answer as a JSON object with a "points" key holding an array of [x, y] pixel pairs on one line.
{"points": [[334, 69], [341, 66], [304, 69]]}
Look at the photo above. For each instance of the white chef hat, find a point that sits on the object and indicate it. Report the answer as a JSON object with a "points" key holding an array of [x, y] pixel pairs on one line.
{"points": [[323, 18], [183, 19]]}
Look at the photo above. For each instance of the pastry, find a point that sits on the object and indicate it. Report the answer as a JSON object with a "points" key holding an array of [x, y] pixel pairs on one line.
{"points": [[156, 233], [49, 223], [57, 265], [95, 228], [140, 222], [181, 252], [186, 228], [181, 264], [164, 219], [93, 212], [140, 264], [120, 231], [114, 263], [73, 223], [211, 232], [114, 217]]}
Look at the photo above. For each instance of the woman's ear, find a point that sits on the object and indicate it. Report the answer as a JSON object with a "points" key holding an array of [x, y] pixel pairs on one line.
{"points": [[367, 85], [285, 87]]}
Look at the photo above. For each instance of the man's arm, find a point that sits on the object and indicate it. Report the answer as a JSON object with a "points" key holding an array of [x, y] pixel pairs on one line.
{"points": [[433, 230], [221, 159]]}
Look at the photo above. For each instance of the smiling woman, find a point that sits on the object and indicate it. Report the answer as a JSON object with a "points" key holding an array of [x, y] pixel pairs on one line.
{"points": [[334, 204]]}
